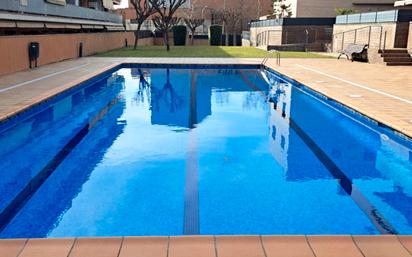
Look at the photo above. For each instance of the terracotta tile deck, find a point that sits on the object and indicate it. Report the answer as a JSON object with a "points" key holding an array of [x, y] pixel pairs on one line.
{"points": [[210, 246], [382, 93]]}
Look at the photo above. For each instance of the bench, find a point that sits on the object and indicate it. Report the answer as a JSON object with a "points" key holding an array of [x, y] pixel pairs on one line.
{"points": [[355, 52]]}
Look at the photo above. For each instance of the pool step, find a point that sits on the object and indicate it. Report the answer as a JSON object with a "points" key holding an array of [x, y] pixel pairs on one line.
{"points": [[396, 57], [399, 64], [394, 51]]}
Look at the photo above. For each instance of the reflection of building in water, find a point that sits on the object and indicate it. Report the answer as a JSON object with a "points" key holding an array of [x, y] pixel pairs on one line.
{"points": [[177, 99], [143, 92], [400, 171], [280, 94], [398, 193]]}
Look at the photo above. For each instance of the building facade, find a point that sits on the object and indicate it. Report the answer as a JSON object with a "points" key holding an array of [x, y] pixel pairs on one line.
{"points": [[327, 8], [209, 10], [64, 29]]}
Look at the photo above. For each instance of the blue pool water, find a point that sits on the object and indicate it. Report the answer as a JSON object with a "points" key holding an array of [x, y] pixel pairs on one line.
{"points": [[157, 151]]}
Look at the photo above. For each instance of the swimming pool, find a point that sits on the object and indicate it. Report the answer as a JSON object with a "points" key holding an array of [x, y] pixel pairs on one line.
{"points": [[169, 150]]}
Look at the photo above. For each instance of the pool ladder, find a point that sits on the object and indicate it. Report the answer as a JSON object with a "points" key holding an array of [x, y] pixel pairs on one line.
{"points": [[277, 56]]}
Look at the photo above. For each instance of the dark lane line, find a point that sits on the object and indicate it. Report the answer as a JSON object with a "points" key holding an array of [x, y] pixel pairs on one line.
{"points": [[191, 224], [377, 219], [37, 181]]}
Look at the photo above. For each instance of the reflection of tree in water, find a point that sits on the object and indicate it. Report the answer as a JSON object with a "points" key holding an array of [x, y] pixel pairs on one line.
{"points": [[221, 97], [168, 95], [144, 90], [254, 100], [277, 91]]}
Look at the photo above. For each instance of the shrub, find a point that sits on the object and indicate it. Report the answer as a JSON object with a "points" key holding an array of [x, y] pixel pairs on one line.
{"points": [[215, 35], [179, 35], [344, 11]]}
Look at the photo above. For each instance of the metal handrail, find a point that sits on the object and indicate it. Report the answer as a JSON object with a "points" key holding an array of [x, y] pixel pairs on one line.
{"points": [[276, 52], [357, 29]]}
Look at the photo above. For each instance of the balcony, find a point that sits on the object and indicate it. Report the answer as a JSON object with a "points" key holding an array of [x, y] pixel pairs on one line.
{"points": [[68, 11]]}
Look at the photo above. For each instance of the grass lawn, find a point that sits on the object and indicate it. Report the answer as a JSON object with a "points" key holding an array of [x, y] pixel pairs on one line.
{"points": [[202, 51]]}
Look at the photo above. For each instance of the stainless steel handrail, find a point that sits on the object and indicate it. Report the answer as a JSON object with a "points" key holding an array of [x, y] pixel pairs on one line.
{"points": [[277, 54]]}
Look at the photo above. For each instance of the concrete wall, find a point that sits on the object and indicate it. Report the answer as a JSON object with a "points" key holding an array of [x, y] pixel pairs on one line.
{"points": [[362, 35], [271, 35], [326, 8], [58, 47]]}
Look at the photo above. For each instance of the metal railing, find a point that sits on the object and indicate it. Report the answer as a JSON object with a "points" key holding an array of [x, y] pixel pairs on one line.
{"points": [[269, 55], [368, 17], [305, 36], [354, 35], [264, 38]]}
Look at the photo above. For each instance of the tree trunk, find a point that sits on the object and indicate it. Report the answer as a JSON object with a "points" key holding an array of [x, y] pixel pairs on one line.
{"points": [[166, 37], [193, 37], [136, 36]]}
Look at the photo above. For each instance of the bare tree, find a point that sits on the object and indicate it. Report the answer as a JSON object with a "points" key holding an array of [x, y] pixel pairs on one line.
{"points": [[232, 20], [191, 21], [143, 11], [164, 26], [193, 24], [164, 19]]}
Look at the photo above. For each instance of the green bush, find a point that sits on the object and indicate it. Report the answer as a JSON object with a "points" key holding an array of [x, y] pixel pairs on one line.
{"points": [[179, 35], [215, 35]]}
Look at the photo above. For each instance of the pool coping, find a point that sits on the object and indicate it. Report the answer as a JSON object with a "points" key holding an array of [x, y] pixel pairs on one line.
{"points": [[326, 245], [52, 94], [37, 102], [55, 95], [383, 126], [212, 246], [347, 107]]}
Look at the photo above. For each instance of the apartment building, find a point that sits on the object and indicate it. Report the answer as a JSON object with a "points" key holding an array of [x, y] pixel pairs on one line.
{"points": [[63, 29], [326, 8], [48, 16], [209, 9]]}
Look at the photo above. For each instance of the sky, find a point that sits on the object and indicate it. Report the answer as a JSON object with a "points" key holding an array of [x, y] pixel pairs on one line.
{"points": [[123, 4]]}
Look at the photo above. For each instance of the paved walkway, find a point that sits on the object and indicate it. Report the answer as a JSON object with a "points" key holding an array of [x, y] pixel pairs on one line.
{"points": [[21, 90], [382, 93], [209, 246]]}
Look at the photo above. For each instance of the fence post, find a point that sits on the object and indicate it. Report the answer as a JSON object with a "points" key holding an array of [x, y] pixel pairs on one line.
{"points": [[343, 40], [380, 39], [286, 37], [354, 40], [369, 37]]}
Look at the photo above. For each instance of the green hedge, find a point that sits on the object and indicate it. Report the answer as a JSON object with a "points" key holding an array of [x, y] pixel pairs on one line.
{"points": [[179, 35], [215, 35]]}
